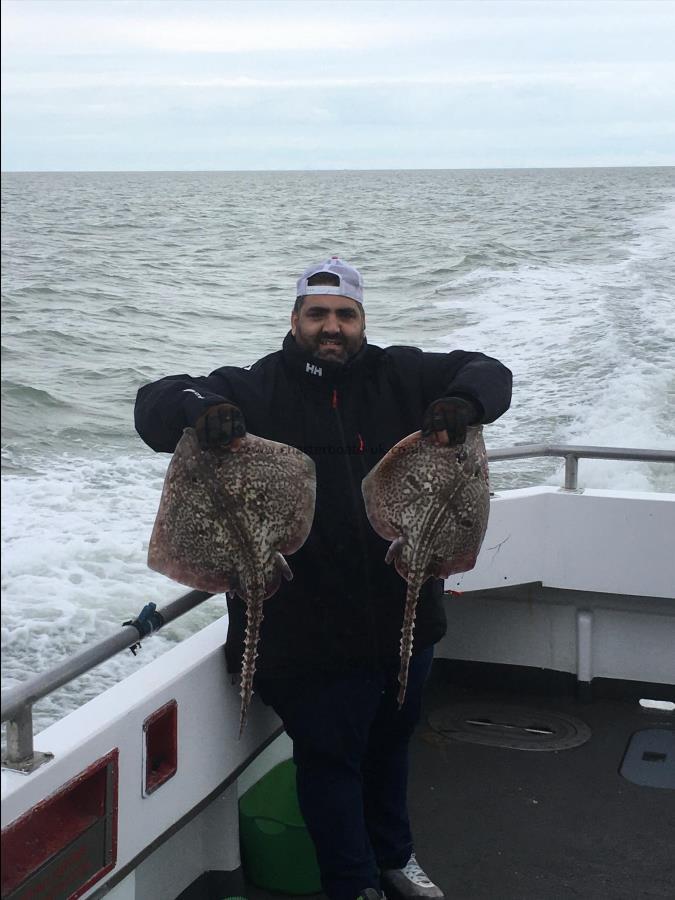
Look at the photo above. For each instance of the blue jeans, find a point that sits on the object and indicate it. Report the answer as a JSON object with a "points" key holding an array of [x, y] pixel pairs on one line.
{"points": [[350, 747]]}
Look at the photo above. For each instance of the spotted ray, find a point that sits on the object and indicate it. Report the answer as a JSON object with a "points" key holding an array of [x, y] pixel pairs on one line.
{"points": [[224, 520], [433, 502]]}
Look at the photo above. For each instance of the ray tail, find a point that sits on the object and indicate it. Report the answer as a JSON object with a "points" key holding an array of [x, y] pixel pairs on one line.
{"points": [[415, 581], [254, 617]]}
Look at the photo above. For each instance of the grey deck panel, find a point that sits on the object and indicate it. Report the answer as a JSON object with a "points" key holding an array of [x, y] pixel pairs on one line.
{"points": [[506, 824]]}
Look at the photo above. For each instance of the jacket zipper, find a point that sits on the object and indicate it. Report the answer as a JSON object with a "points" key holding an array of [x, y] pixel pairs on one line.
{"points": [[334, 405], [374, 637]]}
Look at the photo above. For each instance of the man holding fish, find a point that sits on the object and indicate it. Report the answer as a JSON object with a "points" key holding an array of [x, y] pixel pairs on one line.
{"points": [[333, 661]]}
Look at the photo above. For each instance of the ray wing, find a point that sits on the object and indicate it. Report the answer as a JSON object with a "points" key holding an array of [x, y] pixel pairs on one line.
{"points": [[433, 502], [223, 512]]}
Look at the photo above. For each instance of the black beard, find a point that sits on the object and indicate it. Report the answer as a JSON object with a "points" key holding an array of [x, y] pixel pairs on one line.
{"points": [[344, 349]]}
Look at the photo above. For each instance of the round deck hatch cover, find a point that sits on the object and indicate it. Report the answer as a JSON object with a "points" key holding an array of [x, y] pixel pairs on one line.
{"points": [[509, 726]]}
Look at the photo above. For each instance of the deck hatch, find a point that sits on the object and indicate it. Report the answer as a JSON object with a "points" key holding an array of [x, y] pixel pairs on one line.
{"points": [[650, 758], [509, 726]]}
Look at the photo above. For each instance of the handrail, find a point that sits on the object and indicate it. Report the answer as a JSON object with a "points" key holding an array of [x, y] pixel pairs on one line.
{"points": [[627, 453], [572, 453], [17, 702]]}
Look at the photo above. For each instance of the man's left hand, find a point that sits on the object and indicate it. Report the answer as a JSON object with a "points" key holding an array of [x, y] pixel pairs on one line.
{"points": [[449, 416]]}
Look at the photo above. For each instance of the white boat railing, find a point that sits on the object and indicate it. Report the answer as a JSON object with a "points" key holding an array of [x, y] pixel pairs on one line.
{"points": [[572, 453], [17, 702]]}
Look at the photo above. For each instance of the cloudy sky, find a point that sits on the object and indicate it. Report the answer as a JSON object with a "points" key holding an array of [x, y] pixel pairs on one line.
{"points": [[214, 84]]}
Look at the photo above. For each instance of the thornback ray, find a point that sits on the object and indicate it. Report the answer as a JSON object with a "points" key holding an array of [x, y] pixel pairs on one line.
{"points": [[432, 501], [226, 517]]}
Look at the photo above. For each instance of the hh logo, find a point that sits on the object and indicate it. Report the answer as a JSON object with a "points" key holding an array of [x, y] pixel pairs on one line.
{"points": [[313, 370]]}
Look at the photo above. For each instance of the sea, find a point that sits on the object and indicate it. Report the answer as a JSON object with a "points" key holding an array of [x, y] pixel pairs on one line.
{"points": [[112, 280]]}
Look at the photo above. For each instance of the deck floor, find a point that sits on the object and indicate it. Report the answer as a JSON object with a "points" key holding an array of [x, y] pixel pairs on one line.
{"points": [[503, 824]]}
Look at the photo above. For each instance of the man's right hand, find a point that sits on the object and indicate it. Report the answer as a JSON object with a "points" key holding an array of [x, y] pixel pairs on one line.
{"points": [[219, 425]]}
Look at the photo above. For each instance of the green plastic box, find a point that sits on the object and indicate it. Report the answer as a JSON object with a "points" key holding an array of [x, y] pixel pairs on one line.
{"points": [[277, 851]]}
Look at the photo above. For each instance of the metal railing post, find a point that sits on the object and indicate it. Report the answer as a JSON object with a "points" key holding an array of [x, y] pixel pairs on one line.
{"points": [[20, 754], [571, 471], [20, 736]]}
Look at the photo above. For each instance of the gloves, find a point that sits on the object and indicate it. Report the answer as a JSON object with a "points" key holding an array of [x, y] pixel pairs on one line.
{"points": [[219, 425], [452, 415]]}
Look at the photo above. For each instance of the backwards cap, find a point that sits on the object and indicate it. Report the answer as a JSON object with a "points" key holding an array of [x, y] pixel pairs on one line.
{"points": [[350, 280]]}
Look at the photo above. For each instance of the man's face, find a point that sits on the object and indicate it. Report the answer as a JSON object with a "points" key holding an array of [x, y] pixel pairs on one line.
{"points": [[329, 327]]}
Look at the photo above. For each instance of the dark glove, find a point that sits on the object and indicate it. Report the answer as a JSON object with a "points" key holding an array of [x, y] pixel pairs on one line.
{"points": [[452, 415], [219, 425]]}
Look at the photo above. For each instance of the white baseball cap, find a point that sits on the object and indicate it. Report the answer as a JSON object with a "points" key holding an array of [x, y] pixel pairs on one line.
{"points": [[350, 280]]}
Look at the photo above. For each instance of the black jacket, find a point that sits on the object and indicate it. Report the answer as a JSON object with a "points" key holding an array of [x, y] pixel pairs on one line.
{"points": [[344, 606]]}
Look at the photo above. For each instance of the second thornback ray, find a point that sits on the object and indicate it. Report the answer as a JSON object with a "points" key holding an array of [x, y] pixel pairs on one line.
{"points": [[225, 519], [432, 501]]}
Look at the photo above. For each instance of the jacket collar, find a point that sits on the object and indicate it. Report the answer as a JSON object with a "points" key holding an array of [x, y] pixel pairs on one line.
{"points": [[321, 372]]}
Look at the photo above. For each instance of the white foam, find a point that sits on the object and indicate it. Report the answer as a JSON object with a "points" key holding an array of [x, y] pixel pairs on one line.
{"points": [[591, 347], [75, 541]]}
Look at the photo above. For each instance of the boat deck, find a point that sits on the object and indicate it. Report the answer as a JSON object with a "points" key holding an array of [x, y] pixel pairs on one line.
{"points": [[509, 824]]}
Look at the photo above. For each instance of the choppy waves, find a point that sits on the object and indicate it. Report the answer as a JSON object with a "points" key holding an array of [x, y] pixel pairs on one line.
{"points": [[591, 346]]}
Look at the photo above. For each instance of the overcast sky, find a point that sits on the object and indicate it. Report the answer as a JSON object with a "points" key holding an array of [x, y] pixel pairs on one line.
{"points": [[212, 84]]}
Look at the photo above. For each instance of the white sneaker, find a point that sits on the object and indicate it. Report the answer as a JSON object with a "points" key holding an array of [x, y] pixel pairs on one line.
{"points": [[409, 882]]}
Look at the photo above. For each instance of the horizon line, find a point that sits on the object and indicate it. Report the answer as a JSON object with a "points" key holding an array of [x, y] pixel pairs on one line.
{"points": [[314, 170]]}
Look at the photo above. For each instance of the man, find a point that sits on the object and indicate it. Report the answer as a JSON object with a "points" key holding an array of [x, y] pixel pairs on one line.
{"points": [[329, 642]]}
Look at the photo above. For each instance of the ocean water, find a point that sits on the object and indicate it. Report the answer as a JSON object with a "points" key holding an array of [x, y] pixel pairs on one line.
{"points": [[112, 280]]}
